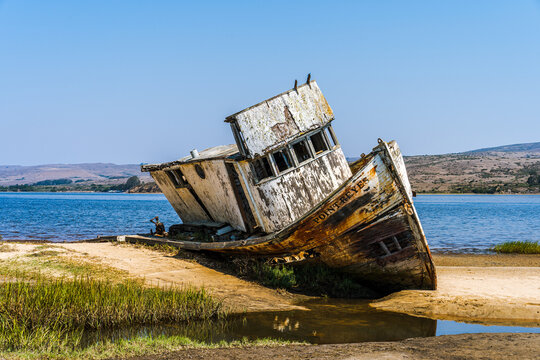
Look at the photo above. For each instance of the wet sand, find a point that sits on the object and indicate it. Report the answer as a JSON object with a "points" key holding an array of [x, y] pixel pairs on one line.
{"points": [[450, 347], [496, 289]]}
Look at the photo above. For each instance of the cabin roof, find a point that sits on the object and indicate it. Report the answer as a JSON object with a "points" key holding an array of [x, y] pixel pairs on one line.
{"points": [[270, 124], [213, 153], [232, 117]]}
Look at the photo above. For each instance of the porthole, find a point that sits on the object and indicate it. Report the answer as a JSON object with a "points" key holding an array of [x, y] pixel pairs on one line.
{"points": [[200, 171]]}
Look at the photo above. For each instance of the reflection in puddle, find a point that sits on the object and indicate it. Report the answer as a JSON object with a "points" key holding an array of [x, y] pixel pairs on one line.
{"points": [[327, 322], [331, 321]]}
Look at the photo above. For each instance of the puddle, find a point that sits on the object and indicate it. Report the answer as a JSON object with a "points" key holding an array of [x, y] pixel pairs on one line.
{"points": [[327, 322]]}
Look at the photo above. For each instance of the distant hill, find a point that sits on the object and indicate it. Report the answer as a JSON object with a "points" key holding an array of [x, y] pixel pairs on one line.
{"points": [[93, 173], [528, 148], [503, 169]]}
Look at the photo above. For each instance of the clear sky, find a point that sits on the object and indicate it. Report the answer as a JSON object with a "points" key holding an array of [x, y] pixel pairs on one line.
{"points": [[147, 81]]}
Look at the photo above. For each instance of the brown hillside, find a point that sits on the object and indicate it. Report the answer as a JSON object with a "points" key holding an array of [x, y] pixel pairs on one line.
{"points": [[476, 172]]}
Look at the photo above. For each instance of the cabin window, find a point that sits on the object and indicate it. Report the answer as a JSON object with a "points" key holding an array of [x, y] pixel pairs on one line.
{"points": [[262, 168], [301, 150], [177, 178], [331, 136], [283, 160], [319, 143]]}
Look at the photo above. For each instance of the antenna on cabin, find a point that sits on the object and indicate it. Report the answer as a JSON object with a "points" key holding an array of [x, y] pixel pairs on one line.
{"points": [[308, 78]]}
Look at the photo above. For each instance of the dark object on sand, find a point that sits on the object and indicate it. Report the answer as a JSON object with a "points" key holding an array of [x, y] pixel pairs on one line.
{"points": [[160, 228]]}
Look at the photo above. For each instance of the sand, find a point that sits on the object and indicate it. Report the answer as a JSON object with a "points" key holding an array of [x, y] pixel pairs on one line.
{"points": [[500, 294]]}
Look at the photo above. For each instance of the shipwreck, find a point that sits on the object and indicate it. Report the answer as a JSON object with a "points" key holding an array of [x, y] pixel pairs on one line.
{"points": [[285, 192]]}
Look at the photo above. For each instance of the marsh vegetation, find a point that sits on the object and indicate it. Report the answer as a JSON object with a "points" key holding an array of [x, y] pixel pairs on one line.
{"points": [[49, 300], [518, 247]]}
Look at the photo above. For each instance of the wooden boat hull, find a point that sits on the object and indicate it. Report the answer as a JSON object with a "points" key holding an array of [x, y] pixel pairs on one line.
{"points": [[368, 227]]}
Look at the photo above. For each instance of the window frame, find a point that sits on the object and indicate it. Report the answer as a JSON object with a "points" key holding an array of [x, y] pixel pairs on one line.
{"points": [[288, 158], [331, 145], [305, 139], [324, 141], [271, 168]]}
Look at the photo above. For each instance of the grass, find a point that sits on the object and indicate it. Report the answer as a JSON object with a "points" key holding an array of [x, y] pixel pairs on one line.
{"points": [[50, 315], [313, 279], [123, 348], [518, 247], [52, 297]]}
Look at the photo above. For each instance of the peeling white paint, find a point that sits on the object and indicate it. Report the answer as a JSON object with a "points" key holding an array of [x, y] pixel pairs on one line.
{"points": [[270, 124], [285, 199]]}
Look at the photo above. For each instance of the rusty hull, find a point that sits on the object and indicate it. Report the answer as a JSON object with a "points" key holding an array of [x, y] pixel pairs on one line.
{"points": [[368, 227]]}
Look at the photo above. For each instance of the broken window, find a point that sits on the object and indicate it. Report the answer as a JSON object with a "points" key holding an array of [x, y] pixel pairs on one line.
{"points": [[331, 136], [283, 160], [301, 150], [319, 143], [262, 168], [177, 178]]}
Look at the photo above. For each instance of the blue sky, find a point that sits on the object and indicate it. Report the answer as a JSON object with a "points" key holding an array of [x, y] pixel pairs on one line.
{"points": [[147, 81]]}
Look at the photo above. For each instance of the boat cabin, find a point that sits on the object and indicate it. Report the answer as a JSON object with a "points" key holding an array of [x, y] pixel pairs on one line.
{"points": [[285, 161]]}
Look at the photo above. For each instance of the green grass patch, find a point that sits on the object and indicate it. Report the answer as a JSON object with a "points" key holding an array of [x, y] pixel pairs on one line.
{"points": [[53, 298], [50, 315], [309, 278], [44, 253], [518, 247], [142, 345]]}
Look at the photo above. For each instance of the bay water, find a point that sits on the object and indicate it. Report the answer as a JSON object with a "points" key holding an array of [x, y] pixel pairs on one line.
{"points": [[452, 223]]}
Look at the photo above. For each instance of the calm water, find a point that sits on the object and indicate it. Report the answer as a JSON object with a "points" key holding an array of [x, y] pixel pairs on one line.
{"points": [[469, 223], [327, 322]]}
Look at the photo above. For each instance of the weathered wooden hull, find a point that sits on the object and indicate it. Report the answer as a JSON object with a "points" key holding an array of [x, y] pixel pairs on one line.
{"points": [[368, 227]]}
